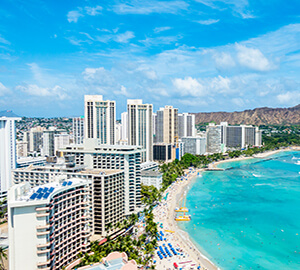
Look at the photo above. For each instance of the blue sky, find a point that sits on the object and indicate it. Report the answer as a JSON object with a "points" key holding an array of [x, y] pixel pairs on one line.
{"points": [[197, 55]]}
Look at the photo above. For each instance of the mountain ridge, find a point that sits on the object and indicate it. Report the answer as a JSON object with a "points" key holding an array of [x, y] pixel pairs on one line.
{"points": [[257, 116]]}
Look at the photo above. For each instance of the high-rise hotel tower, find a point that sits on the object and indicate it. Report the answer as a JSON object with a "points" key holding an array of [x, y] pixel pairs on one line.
{"points": [[7, 149], [140, 131], [100, 118]]}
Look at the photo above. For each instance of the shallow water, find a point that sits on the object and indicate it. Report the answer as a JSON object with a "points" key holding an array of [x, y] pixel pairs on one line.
{"points": [[248, 216]]}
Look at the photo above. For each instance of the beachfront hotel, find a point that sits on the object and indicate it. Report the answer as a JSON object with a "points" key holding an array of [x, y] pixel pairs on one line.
{"points": [[106, 198], [140, 131], [78, 129], [8, 149], [94, 155], [48, 225], [100, 119]]}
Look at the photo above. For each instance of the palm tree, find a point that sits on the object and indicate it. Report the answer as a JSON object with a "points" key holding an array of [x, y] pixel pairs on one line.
{"points": [[3, 256]]}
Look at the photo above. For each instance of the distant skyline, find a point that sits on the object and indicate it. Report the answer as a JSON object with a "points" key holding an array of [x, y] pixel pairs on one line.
{"points": [[197, 55]]}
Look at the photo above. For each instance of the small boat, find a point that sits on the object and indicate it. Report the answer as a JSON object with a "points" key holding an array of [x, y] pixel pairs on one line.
{"points": [[182, 208], [183, 218]]}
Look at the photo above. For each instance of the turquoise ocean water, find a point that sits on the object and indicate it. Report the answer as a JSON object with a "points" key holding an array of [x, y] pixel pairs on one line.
{"points": [[248, 216]]}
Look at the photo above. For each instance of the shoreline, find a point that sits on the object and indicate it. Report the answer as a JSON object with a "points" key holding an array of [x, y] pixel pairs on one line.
{"points": [[180, 238], [165, 212], [259, 155]]}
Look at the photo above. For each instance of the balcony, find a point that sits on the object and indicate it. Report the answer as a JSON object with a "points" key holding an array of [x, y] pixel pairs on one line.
{"points": [[42, 233], [41, 208], [43, 251], [43, 245], [43, 215], [43, 227], [43, 263]]}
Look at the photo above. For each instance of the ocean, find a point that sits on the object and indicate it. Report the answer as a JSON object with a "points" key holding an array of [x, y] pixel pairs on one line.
{"points": [[248, 216]]}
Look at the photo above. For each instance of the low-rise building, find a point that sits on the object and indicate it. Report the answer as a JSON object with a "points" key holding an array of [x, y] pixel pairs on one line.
{"points": [[152, 178]]}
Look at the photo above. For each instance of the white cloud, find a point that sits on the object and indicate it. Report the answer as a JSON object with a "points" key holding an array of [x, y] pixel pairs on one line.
{"points": [[160, 40], [220, 84], [122, 92], [253, 58], [189, 87], [208, 22], [239, 7], [3, 90], [290, 98], [161, 29], [73, 16], [35, 90], [124, 37], [148, 7], [4, 41], [224, 60], [93, 11]]}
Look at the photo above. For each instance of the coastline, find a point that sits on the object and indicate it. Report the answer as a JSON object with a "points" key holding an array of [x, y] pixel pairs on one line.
{"points": [[259, 155], [166, 215], [165, 212]]}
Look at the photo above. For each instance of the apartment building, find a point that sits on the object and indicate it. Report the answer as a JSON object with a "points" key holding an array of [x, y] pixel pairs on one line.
{"points": [[100, 119], [7, 149], [106, 193], [94, 155], [78, 129], [186, 125], [140, 131], [194, 145], [48, 225]]}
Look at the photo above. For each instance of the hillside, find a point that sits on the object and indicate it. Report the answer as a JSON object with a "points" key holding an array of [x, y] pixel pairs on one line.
{"points": [[258, 116]]}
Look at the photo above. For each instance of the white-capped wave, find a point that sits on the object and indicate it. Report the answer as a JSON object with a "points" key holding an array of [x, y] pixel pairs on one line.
{"points": [[256, 175], [265, 184]]}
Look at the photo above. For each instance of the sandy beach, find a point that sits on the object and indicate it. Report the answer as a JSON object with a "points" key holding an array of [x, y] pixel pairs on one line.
{"points": [[191, 257]]}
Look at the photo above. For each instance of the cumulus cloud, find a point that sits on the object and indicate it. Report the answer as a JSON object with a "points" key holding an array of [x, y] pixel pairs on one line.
{"points": [[189, 87], [224, 60], [122, 91], [3, 90], [289, 98], [208, 22], [35, 90], [73, 16], [253, 58]]}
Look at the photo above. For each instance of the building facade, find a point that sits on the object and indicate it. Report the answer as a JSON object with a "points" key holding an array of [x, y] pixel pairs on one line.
{"points": [[152, 178], [140, 130], [93, 155], [100, 119], [78, 129], [194, 145], [7, 150], [48, 225], [186, 125], [213, 139]]}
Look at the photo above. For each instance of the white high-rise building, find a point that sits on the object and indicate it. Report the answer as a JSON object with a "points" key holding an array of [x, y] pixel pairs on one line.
{"points": [[186, 125], [78, 130], [194, 145], [61, 141], [48, 142], [100, 119], [7, 149], [34, 137], [94, 155], [48, 225], [140, 130]]}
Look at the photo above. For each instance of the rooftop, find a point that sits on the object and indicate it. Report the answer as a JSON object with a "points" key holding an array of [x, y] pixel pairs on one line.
{"points": [[23, 192], [151, 173]]}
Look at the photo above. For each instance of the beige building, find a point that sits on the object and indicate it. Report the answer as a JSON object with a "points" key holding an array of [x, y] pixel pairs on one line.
{"points": [[100, 119], [166, 125]]}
